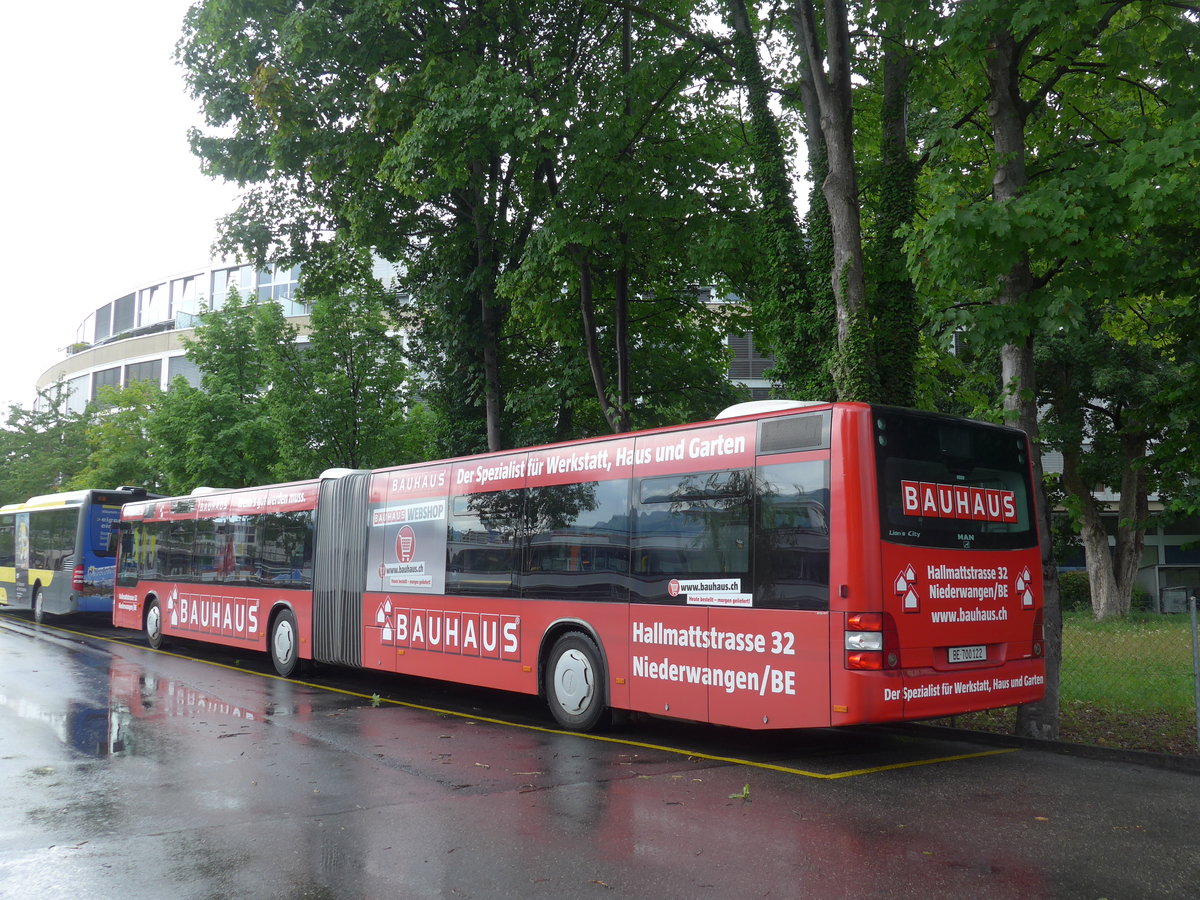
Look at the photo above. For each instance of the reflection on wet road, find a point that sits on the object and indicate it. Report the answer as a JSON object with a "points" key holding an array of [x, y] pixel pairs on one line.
{"points": [[138, 774]]}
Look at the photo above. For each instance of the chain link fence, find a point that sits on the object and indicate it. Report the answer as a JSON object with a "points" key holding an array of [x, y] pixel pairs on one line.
{"points": [[1126, 683], [1131, 682]]}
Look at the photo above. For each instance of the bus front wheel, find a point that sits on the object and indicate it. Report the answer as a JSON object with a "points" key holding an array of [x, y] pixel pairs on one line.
{"points": [[574, 682], [154, 632], [285, 644], [39, 606]]}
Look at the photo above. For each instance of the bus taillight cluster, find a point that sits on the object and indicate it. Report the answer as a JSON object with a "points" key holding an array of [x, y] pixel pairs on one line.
{"points": [[871, 642]]}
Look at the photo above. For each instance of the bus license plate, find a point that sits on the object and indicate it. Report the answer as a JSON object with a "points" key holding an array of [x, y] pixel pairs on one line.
{"points": [[977, 653]]}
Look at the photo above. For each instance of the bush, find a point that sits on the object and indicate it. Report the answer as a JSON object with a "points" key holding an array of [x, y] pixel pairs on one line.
{"points": [[1143, 600], [1075, 591]]}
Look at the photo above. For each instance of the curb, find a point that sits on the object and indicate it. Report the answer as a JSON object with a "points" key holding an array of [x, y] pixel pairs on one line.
{"points": [[1189, 765]]}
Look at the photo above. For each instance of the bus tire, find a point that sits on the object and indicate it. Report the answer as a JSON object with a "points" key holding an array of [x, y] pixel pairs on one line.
{"points": [[154, 626], [574, 682], [39, 606], [285, 644]]}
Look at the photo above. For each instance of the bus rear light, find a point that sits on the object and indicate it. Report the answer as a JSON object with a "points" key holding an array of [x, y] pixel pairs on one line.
{"points": [[870, 660], [1039, 634], [864, 622], [864, 640], [77, 578], [871, 642]]}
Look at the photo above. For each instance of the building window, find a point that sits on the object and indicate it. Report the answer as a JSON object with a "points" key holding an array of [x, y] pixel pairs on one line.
{"points": [[747, 362], [279, 284], [156, 306], [182, 367], [183, 295], [226, 281], [77, 394], [151, 370], [123, 314], [105, 378], [103, 322]]}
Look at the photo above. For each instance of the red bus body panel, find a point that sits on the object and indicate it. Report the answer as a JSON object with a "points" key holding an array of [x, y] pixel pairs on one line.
{"points": [[962, 624]]}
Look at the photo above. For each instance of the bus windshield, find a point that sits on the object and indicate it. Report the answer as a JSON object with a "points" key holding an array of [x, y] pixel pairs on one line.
{"points": [[952, 483]]}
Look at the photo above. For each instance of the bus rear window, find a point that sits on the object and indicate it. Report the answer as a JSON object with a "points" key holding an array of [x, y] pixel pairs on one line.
{"points": [[949, 483], [103, 524]]}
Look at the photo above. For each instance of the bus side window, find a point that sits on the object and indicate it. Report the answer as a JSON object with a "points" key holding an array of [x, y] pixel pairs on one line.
{"points": [[175, 549], [691, 526], [576, 541], [146, 550], [481, 552], [52, 538], [233, 553], [285, 547], [791, 537]]}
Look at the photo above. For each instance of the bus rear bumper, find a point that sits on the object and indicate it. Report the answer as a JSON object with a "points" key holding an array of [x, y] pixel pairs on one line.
{"points": [[912, 694]]}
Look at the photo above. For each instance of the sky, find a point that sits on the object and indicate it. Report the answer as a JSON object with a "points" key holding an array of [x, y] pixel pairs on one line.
{"points": [[99, 193]]}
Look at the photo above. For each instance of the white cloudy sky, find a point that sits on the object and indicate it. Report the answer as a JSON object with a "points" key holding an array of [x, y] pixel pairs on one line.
{"points": [[98, 190]]}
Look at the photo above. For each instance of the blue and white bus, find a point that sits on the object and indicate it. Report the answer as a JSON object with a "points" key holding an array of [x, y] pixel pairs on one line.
{"points": [[57, 555]]}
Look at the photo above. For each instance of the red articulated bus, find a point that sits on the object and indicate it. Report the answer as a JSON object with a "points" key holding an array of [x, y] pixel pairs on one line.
{"points": [[807, 566]]}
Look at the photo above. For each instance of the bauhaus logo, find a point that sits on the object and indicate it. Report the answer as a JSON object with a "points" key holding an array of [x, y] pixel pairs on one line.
{"points": [[956, 501], [487, 635]]}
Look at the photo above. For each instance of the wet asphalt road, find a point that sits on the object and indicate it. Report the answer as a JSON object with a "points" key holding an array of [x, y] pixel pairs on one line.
{"points": [[133, 774]]}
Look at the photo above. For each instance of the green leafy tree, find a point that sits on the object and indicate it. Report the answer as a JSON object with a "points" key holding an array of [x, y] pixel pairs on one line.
{"points": [[448, 137], [675, 341], [786, 277], [42, 447], [403, 127], [342, 401], [1017, 240], [826, 55], [640, 199], [120, 449], [221, 434], [1103, 392]]}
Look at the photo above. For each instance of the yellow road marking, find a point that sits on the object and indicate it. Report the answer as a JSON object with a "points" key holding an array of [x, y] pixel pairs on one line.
{"points": [[624, 742]]}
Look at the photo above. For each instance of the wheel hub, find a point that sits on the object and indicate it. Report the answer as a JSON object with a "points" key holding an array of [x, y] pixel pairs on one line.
{"points": [[573, 682]]}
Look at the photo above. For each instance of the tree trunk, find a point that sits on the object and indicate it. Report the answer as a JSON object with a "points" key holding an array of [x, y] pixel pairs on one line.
{"points": [[491, 313], [895, 306], [1096, 552], [621, 308], [783, 323], [855, 372], [621, 334], [1007, 113], [819, 380], [591, 344], [1132, 514]]}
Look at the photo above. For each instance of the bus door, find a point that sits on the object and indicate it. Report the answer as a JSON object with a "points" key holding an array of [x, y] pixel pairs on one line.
{"points": [[690, 560], [21, 587], [773, 654]]}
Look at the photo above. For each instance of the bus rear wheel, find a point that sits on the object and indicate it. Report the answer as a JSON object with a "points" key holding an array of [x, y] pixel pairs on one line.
{"points": [[154, 632], [285, 644], [574, 682]]}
